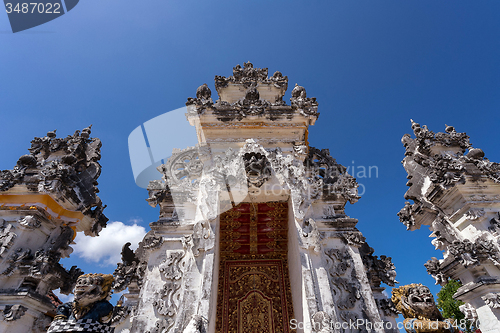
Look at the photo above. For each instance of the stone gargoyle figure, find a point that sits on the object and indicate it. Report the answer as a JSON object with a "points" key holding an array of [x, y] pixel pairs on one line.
{"points": [[90, 311], [416, 304]]}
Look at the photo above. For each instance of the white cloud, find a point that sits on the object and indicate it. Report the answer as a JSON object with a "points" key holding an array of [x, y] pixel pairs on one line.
{"points": [[105, 249], [63, 298]]}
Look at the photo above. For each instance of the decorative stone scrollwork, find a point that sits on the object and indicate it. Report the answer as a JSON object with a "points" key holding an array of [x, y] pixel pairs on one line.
{"points": [[183, 168], [495, 223], [433, 267], [335, 180], [490, 169], [168, 301], [464, 251], [487, 248], [120, 312], [247, 75], [446, 170], [197, 324], [203, 97], [378, 270], [311, 237], [29, 222], [469, 311], [257, 167], [492, 300], [64, 167], [7, 236], [162, 326], [151, 242], [470, 253], [346, 289], [14, 312], [387, 307], [299, 100]]}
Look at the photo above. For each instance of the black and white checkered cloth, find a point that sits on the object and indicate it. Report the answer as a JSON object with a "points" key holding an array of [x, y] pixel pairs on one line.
{"points": [[82, 325]]}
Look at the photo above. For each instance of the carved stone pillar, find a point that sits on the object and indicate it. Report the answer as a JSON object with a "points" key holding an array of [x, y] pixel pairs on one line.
{"points": [[456, 192], [47, 198]]}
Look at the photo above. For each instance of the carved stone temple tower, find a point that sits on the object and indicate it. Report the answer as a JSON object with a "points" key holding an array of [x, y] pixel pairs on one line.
{"points": [[48, 197], [456, 192], [252, 234]]}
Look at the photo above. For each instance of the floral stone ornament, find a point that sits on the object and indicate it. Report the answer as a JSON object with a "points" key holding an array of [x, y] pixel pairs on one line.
{"points": [[90, 311]]}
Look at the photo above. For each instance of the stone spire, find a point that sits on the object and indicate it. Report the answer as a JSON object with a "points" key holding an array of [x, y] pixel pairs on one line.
{"points": [[456, 192], [47, 197]]}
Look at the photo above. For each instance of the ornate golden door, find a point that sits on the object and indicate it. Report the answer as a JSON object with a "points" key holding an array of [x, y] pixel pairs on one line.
{"points": [[254, 288]]}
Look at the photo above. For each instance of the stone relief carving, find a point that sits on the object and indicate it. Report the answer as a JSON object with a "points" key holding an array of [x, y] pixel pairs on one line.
{"points": [[406, 216], [203, 97], [161, 326], [7, 236], [378, 270], [387, 307], [469, 311], [42, 266], [257, 167], [311, 237], [321, 322], [464, 251], [492, 300], [151, 242], [354, 238], [470, 254], [344, 286], [168, 300], [14, 312], [183, 168], [307, 106], [475, 213], [248, 75], [125, 274], [433, 267], [61, 166], [336, 180]]}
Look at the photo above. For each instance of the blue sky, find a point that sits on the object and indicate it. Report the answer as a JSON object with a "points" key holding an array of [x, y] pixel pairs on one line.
{"points": [[372, 65]]}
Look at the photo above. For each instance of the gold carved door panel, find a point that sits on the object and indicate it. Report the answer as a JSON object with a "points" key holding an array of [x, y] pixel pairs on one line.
{"points": [[254, 288]]}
